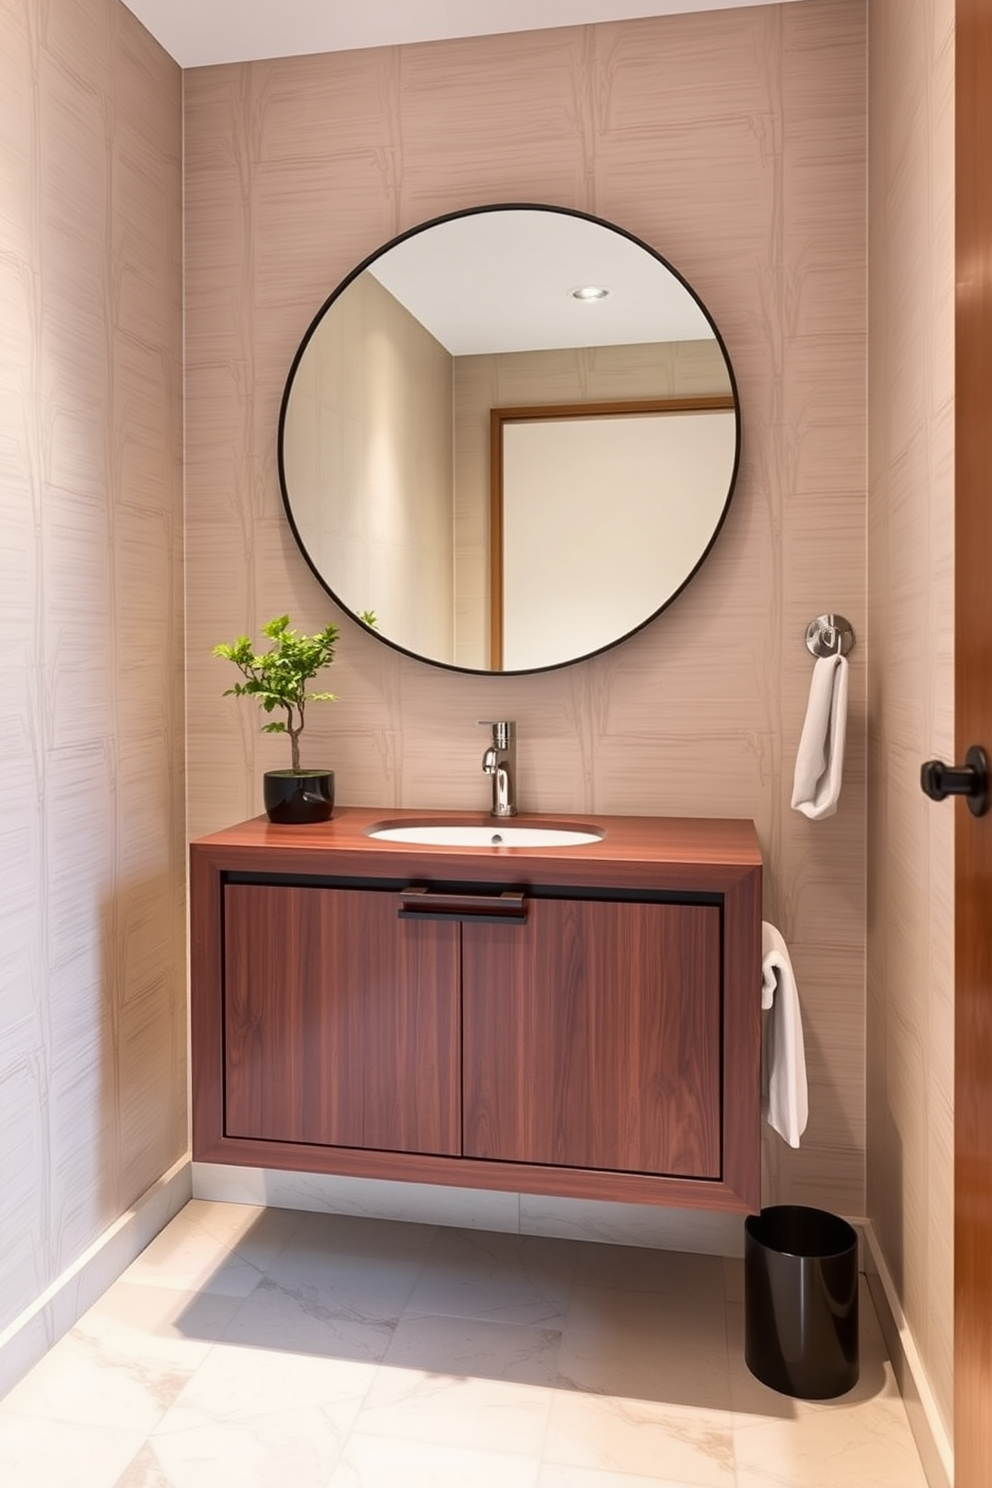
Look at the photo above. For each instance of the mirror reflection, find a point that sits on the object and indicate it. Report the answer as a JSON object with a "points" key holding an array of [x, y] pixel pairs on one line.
{"points": [[512, 435]]}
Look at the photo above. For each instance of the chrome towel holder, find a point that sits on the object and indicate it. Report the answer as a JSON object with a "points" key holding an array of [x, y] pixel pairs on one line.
{"points": [[829, 635]]}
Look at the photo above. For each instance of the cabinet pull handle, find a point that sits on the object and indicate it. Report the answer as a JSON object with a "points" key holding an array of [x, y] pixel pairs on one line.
{"points": [[417, 903]]}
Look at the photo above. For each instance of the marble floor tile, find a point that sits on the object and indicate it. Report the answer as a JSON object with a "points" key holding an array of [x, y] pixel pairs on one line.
{"points": [[158, 1323], [552, 1475], [499, 1277], [244, 1384], [125, 1361], [256, 1418], [677, 1320], [456, 1411], [476, 1348], [648, 1346], [297, 1447], [378, 1462], [144, 1471], [35, 1453], [641, 1438], [352, 1267], [835, 1448], [84, 1383], [638, 1370], [733, 1278], [300, 1317], [340, 1238], [214, 1247], [632, 1268], [329, 1351]]}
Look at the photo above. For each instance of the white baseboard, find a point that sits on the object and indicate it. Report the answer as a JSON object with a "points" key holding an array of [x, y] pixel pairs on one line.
{"points": [[932, 1440], [29, 1337], [479, 1209]]}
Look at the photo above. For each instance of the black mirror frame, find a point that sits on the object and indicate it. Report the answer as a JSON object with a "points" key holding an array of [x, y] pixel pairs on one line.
{"points": [[360, 269]]}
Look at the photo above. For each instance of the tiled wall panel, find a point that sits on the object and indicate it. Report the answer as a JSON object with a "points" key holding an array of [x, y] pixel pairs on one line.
{"points": [[733, 142], [92, 976]]}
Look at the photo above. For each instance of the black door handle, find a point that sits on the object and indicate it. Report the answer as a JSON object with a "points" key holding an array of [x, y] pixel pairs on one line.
{"points": [[938, 781], [421, 903]]}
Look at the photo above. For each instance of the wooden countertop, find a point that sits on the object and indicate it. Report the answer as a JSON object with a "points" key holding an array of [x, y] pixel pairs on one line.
{"points": [[686, 853]]}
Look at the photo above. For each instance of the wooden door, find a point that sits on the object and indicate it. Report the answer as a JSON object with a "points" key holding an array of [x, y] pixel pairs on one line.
{"points": [[973, 725], [592, 1038], [341, 1022]]}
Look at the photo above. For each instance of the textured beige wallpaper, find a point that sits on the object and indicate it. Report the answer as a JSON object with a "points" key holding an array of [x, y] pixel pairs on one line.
{"points": [[92, 1007], [911, 702], [734, 143], [351, 490]]}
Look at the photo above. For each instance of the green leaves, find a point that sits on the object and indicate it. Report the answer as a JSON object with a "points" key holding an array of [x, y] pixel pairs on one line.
{"points": [[278, 677]]}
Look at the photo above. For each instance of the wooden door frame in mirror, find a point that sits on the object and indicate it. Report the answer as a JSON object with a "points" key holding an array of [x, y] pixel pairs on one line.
{"points": [[500, 417]]}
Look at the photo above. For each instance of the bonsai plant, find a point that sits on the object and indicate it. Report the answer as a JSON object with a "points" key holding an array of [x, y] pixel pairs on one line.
{"points": [[279, 679]]}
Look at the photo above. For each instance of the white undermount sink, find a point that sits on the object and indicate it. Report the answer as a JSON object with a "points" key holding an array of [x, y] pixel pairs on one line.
{"points": [[468, 834]]}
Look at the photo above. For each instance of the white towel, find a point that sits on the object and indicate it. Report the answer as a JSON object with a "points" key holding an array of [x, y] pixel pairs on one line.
{"points": [[820, 759], [784, 1095]]}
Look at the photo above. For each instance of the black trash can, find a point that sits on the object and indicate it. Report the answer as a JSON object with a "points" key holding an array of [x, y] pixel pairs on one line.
{"points": [[801, 1301]]}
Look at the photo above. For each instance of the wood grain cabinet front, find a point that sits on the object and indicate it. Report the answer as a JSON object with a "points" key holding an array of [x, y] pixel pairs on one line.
{"points": [[592, 1037], [342, 1025], [537, 1030]]}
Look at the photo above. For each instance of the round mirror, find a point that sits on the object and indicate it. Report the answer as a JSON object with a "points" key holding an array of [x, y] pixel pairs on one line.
{"points": [[511, 437]]}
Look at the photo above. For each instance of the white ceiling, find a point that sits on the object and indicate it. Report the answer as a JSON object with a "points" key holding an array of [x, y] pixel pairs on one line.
{"points": [[502, 281], [199, 33]]}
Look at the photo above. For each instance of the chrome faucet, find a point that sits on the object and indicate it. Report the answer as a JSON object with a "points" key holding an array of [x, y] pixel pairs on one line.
{"points": [[500, 761]]}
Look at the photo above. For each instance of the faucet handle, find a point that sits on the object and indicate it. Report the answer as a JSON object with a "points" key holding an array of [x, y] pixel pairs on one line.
{"points": [[502, 730]]}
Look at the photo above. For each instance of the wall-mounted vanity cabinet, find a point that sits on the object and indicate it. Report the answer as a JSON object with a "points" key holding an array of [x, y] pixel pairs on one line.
{"points": [[577, 1021]]}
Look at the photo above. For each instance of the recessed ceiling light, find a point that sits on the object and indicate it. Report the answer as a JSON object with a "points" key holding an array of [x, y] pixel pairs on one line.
{"points": [[590, 292]]}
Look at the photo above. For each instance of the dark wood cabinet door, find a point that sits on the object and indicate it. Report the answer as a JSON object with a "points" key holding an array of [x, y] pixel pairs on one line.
{"points": [[341, 1022], [592, 1038]]}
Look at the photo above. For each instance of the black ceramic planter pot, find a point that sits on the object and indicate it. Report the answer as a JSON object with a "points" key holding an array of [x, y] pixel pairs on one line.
{"points": [[296, 799]]}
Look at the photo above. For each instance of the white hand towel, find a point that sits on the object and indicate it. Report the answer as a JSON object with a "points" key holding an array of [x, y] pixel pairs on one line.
{"points": [[784, 1095], [820, 759]]}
